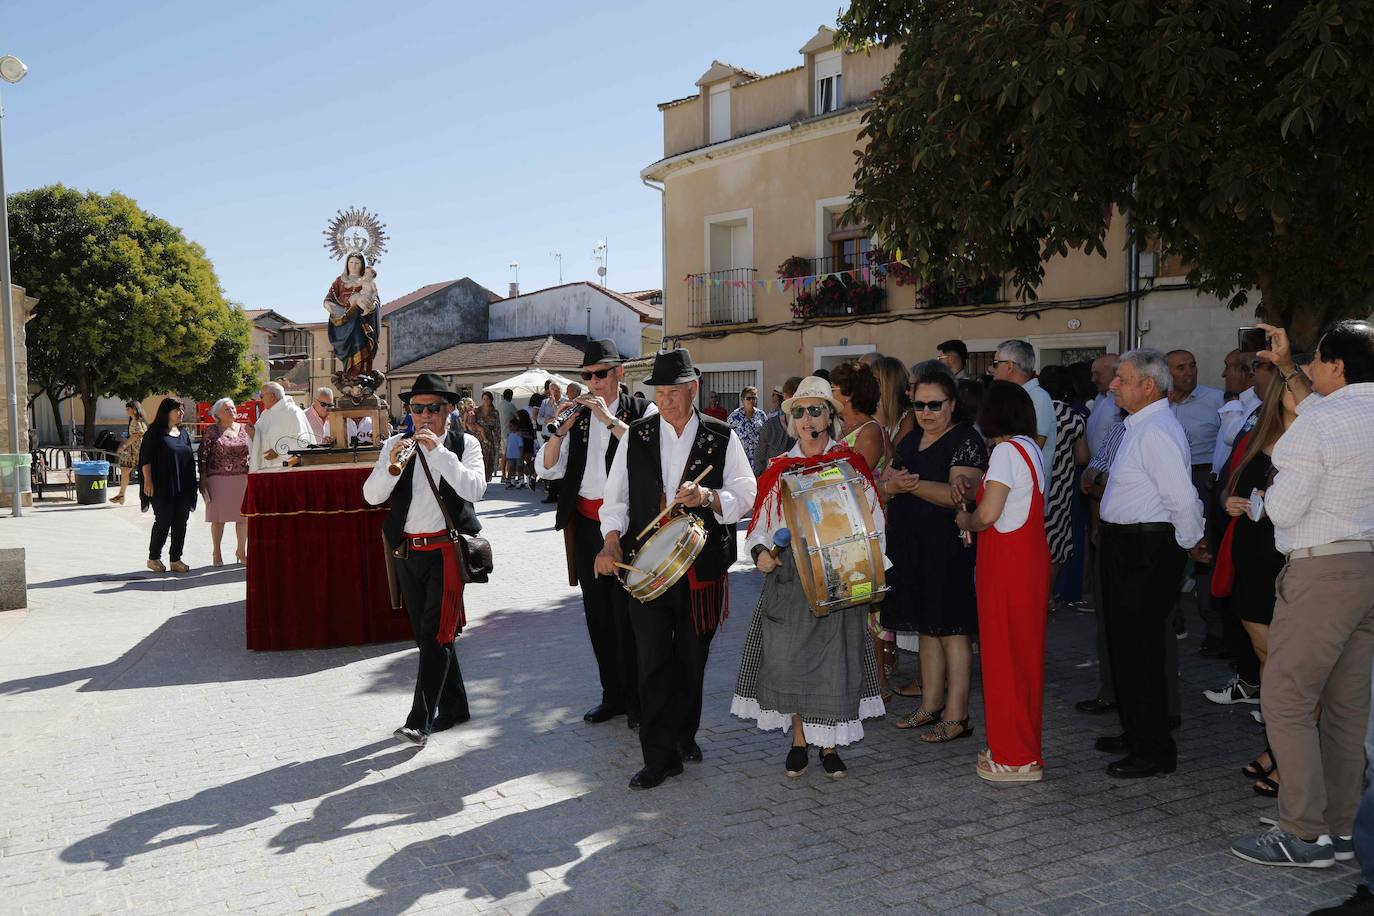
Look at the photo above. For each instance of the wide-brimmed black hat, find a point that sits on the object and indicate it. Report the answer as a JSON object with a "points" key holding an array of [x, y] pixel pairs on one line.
{"points": [[601, 353], [673, 367], [430, 383]]}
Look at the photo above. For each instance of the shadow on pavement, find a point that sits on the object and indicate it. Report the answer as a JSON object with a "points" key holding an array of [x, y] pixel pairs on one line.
{"points": [[214, 637], [232, 805], [147, 580]]}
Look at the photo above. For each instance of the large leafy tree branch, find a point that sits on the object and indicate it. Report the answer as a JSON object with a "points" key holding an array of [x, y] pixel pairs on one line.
{"points": [[126, 305], [1237, 135]]}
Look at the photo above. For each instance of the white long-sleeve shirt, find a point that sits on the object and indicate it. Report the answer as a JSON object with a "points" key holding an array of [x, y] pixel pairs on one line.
{"points": [[1151, 478], [598, 440], [280, 427], [1324, 488], [1233, 415], [736, 494], [765, 530], [467, 476]]}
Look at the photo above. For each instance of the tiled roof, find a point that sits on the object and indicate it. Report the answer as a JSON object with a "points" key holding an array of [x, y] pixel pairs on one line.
{"points": [[642, 294], [422, 292], [551, 351]]}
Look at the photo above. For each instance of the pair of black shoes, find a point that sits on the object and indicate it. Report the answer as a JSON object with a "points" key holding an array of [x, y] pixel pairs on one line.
{"points": [[604, 713], [1133, 765]]}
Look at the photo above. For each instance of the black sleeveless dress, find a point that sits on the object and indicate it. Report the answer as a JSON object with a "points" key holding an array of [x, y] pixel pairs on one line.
{"points": [[931, 578], [1256, 559]]}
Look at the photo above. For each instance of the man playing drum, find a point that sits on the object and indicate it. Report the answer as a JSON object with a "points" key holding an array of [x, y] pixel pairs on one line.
{"points": [[678, 458], [813, 676], [580, 452]]}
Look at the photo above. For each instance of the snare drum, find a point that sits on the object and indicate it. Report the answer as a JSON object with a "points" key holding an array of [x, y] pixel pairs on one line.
{"points": [[665, 557], [834, 541]]}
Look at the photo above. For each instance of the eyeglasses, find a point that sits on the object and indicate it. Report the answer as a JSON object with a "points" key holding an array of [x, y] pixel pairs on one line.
{"points": [[813, 409], [750, 397], [599, 373], [421, 409], [997, 362], [931, 406]]}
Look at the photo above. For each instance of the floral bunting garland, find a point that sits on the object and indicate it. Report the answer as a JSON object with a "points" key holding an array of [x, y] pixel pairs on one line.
{"points": [[870, 274]]}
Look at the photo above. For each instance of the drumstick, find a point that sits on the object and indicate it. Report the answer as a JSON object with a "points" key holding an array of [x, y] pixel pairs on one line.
{"points": [[658, 518], [634, 569]]}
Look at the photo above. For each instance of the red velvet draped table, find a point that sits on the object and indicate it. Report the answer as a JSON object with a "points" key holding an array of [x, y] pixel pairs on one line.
{"points": [[316, 574]]}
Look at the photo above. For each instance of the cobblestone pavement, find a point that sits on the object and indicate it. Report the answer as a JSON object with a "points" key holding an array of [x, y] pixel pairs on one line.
{"points": [[150, 763]]}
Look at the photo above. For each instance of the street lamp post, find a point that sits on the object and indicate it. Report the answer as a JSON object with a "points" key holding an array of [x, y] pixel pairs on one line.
{"points": [[12, 70]]}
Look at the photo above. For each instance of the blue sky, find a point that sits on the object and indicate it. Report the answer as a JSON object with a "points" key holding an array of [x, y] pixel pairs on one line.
{"points": [[481, 133]]}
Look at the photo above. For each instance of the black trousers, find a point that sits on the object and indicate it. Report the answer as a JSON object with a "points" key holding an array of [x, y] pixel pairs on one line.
{"points": [[171, 521], [440, 700], [607, 607], [672, 665], [1141, 566], [1212, 619]]}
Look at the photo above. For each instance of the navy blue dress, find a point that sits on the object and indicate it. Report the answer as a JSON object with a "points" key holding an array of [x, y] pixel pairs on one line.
{"points": [[931, 578]]}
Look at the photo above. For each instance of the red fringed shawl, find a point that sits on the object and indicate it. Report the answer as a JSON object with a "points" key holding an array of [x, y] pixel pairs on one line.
{"points": [[768, 499]]}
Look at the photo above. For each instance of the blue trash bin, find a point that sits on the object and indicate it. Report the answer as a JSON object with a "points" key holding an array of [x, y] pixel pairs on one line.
{"points": [[91, 482]]}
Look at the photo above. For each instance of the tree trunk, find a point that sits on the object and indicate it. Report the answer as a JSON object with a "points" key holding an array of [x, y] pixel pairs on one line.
{"points": [[89, 400], [56, 403]]}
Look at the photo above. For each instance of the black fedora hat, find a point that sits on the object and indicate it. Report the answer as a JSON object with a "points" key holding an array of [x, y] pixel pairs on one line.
{"points": [[601, 352], [430, 383], [673, 367]]}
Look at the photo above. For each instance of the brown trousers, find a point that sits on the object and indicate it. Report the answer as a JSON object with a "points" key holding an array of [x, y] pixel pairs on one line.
{"points": [[1320, 647]]}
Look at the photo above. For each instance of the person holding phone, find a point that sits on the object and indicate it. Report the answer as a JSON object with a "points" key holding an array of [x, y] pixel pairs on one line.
{"points": [[1248, 562]]}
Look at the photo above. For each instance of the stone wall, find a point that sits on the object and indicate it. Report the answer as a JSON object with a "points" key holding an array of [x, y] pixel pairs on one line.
{"points": [[453, 315]]}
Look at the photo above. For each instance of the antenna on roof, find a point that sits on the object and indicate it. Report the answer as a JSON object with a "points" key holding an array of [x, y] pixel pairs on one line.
{"points": [[599, 254]]}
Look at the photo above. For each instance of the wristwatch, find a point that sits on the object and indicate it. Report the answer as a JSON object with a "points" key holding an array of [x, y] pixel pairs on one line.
{"points": [[710, 497]]}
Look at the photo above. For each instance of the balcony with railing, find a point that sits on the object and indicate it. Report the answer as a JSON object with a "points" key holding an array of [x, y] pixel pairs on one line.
{"points": [[835, 287], [721, 297]]}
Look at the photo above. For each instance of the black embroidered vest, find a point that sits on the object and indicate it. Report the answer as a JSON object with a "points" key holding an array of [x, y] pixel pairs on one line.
{"points": [[645, 470], [459, 509], [628, 409]]}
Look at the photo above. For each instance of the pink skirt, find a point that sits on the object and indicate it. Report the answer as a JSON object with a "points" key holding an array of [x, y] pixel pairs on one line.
{"points": [[225, 498]]}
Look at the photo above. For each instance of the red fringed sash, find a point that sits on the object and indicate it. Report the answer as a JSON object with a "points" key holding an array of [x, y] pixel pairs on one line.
{"points": [[768, 501], [452, 617], [1223, 569], [710, 601]]}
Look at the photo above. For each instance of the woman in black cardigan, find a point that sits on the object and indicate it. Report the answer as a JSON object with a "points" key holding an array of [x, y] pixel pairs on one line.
{"points": [[169, 483]]}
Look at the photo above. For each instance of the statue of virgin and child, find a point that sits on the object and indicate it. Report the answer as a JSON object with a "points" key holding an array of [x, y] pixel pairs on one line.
{"points": [[355, 322]]}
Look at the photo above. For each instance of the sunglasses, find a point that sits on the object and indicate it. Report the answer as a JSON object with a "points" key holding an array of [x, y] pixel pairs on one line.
{"points": [[600, 373], [750, 397], [813, 409], [932, 406], [421, 409]]}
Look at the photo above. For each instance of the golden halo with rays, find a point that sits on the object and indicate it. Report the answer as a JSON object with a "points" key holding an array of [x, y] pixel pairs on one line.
{"points": [[356, 231]]}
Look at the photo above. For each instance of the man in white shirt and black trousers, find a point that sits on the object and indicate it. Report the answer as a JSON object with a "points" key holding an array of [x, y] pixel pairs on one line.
{"points": [[427, 560], [1321, 641], [1151, 521], [597, 430], [661, 457]]}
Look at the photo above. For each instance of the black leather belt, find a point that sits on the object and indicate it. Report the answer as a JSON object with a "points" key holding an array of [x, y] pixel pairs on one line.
{"points": [[1142, 526], [420, 543]]}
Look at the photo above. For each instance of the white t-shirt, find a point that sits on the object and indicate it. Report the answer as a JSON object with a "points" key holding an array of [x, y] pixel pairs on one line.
{"points": [[1007, 467]]}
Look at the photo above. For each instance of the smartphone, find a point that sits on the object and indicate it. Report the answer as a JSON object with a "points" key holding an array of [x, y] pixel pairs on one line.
{"points": [[1252, 340]]}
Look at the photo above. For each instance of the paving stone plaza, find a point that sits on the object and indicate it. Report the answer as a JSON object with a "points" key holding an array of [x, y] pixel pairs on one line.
{"points": [[151, 764]]}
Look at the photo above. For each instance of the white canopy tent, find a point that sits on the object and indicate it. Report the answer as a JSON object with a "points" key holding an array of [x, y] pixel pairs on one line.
{"points": [[529, 382]]}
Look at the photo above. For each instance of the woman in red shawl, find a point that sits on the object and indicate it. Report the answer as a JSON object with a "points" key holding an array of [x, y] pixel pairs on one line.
{"points": [[813, 677]]}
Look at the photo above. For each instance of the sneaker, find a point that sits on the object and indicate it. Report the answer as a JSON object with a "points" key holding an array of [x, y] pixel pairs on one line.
{"points": [[1362, 902], [1277, 846], [1235, 691], [796, 762], [832, 764], [1343, 847]]}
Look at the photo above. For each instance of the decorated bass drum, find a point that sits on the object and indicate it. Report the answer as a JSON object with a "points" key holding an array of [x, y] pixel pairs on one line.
{"points": [[665, 557], [834, 541]]}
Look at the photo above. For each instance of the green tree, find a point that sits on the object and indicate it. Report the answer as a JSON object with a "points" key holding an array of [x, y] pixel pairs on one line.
{"points": [[126, 305], [1237, 135]]}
